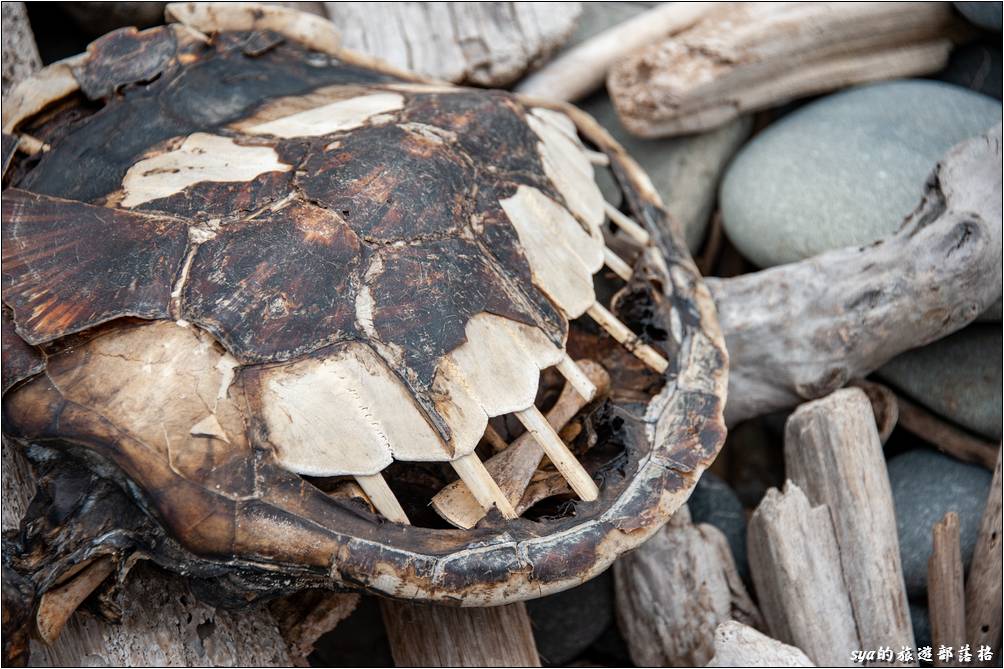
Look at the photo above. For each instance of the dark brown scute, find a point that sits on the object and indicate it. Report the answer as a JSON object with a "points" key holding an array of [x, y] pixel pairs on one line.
{"points": [[68, 266], [20, 360], [8, 147], [124, 56]]}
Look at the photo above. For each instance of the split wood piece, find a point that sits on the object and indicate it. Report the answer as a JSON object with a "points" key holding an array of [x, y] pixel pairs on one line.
{"points": [[382, 497], [738, 645], [984, 589], [832, 452], [582, 69], [514, 466], [57, 605], [673, 591], [617, 264], [306, 616], [423, 635], [628, 339], [495, 440], [796, 569], [945, 588], [597, 157], [481, 484], [558, 453], [780, 324], [947, 437], [743, 57], [630, 226]]}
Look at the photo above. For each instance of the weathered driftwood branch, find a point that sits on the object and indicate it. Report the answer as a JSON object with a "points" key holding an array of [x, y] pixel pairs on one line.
{"points": [[802, 330], [441, 636], [483, 43], [673, 592], [795, 564], [738, 645], [743, 57], [832, 451], [884, 405], [984, 588], [951, 439], [945, 589], [306, 616], [581, 70]]}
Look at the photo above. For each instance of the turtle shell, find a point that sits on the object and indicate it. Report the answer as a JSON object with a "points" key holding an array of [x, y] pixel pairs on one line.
{"points": [[246, 263]]}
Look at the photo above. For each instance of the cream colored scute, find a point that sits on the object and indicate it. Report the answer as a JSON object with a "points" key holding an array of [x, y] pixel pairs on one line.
{"points": [[332, 117], [568, 166], [200, 157], [562, 256], [344, 414]]}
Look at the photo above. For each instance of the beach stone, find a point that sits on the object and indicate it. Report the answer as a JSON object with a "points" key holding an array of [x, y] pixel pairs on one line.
{"points": [[598, 16], [977, 66], [715, 503], [920, 619], [846, 169], [958, 377], [567, 623], [685, 170], [925, 486], [986, 15]]}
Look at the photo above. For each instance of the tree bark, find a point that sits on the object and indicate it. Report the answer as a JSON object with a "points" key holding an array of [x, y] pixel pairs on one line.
{"points": [[832, 451], [795, 564], [441, 636], [945, 589], [674, 590], [800, 331]]}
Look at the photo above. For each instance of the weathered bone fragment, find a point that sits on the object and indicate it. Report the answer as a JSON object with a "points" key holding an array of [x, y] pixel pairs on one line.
{"points": [[58, 605], [742, 57]]}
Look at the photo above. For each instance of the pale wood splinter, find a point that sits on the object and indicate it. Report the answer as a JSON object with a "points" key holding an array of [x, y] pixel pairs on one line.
{"points": [[495, 439], [481, 484], [617, 264], [576, 376], [382, 497], [559, 454], [631, 227], [628, 339]]}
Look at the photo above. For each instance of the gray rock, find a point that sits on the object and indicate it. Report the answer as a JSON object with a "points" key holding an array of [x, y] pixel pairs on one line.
{"points": [[567, 623], [715, 503], [977, 66], [98, 18], [958, 377], [921, 621], [20, 55], [993, 314], [984, 14], [845, 169], [684, 170], [598, 16], [925, 486]]}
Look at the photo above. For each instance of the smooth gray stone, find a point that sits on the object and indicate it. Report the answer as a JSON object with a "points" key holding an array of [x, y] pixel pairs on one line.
{"points": [[598, 16], [925, 486], [846, 169], [993, 314], [684, 170], [567, 623], [984, 14], [977, 66], [921, 621], [958, 377], [715, 503]]}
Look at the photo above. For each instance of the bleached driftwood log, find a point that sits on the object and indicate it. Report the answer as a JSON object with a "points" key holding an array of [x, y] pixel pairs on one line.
{"points": [[441, 636], [802, 330], [945, 589], [581, 70], [674, 590], [796, 569], [747, 56], [483, 43], [738, 645], [832, 452], [983, 585]]}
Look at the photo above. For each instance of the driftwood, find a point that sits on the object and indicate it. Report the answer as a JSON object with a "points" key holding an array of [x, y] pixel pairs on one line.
{"points": [[441, 636], [304, 617], [884, 405], [673, 592], [945, 589], [947, 437], [581, 70], [20, 55], [744, 57], [738, 645], [796, 568], [488, 44], [983, 585], [802, 330], [832, 451]]}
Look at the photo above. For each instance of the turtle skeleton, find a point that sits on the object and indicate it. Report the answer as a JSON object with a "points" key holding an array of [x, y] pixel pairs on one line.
{"points": [[320, 272]]}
